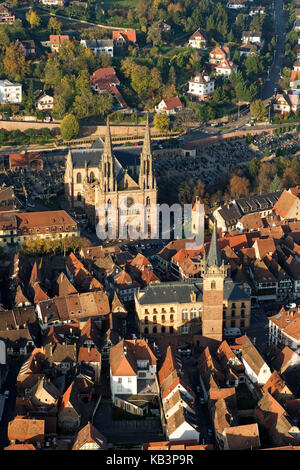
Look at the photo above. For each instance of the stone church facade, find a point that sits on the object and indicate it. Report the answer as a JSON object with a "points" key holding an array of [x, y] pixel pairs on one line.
{"points": [[95, 178]]}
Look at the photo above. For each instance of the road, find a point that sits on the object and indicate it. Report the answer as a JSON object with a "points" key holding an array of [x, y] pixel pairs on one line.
{"points": [[275, 70]]}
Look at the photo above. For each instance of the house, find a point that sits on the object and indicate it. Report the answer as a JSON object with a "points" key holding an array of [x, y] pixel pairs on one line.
{"points": [[10, 93], [274, 418], [164, 26], [169, 105], [284, 329], [277, 387], [256, 369], [297, 25], [263, 247], [56, 41], [251, 37], [62, 357], [288, 205], [124, 37], [44, 396], [92, 358], [259, 10], [32, 161], [295, 77], [27, 431], [8, 200], [226, 67], [23, 226], [73, 307], [132, 369], [247, 49], [44, 102], [198, 40], [286, 102], [219, 54], [89, 438], [236, 4], [99, 45], [6, 16], [242, 437], [201, 87], [58, 3], [105, 80], [181, 426], [70, 410], [18, 342], [265, 283], [27, 47]]}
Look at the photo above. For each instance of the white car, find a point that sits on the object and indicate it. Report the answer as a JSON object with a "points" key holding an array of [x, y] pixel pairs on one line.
{"points": [[143, 247]]}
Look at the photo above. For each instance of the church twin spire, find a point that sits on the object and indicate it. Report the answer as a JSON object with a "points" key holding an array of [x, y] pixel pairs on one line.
{"points": [[146, 178]]}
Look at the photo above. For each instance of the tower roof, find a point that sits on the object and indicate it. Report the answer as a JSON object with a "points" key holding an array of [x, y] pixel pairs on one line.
{"points": [[107, 143], [147, 140], [214, 255]]}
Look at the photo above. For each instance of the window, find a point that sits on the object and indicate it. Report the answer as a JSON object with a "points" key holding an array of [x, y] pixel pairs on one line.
{"points": [[129, 380], [78, 178], [185, 314], [171, 318], [119, 380], [213, 285], [146, 320], [232, 323], [163, 329], [193, 313], [171, 330]]}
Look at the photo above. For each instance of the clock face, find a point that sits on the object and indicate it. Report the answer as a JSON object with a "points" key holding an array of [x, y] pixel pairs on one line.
{"points": [[130, 201]]}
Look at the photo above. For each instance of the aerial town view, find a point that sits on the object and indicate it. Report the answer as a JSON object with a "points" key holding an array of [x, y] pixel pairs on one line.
{"points": [[150, 227]]}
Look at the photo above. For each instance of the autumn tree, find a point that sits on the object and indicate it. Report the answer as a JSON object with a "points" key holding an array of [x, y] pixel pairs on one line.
{"points": [[289, 178], [266, 174], [258, 109], [161, 121], [14, 63], [33, 19], [54, 25], [239, 186]]}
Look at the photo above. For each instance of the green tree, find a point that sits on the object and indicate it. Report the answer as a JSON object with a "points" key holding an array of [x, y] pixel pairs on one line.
{"points": [[69, 127], [54, 25], [275, 185]]}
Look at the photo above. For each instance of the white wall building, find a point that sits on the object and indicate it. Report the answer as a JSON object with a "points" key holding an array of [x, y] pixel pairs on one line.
{"points": [[99, 45], [10, 93], [201, 87]]}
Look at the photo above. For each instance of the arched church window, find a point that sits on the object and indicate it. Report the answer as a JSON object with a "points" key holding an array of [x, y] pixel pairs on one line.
{"points": [[108, 203], [78, 197], [213, 285], [148, 201], [78, 178], [92, 177]]}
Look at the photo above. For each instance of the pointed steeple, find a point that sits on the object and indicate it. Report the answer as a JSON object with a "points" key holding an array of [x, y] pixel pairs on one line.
{"points": [[214, 255], [146, 178], [107, 143], [147, 139]]}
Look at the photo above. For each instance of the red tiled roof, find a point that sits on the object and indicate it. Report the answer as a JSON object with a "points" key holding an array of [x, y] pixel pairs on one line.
{"points": [[171, 103], [128, 34]]}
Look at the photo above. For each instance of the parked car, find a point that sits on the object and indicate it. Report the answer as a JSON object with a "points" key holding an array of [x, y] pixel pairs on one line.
{"points": [[6, 393]]}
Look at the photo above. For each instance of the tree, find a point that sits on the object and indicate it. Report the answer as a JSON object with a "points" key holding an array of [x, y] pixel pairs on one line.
{"points": [[33, 19], [275, 185], [239, 186], [253, 167], [15, 65], [161, 121], [266, 174], [154, 35], [54, 25], [258, 109], [69, 127], [289, 178]]}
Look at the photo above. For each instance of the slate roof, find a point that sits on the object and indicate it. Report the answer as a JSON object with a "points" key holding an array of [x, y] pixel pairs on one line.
{"points": [[170, 292]]}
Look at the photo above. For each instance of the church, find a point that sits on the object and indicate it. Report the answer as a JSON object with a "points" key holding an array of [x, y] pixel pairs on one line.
{"points": [[95, 177]]}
